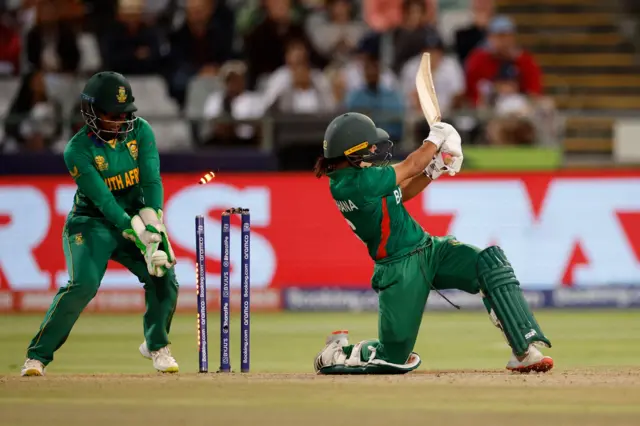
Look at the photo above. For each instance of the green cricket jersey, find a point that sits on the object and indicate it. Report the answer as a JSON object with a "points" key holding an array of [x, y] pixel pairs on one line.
{"points": [[115, 179], [371, 202]]}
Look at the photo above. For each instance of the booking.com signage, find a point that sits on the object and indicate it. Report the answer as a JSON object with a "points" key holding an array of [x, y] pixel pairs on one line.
{"points": [[558, 230]]}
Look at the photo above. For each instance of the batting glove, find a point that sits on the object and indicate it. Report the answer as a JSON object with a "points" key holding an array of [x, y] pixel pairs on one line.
{"points": [[440, 133], [443, 163]]}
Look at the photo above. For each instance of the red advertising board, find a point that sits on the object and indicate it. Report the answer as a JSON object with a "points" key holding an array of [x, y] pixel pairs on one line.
{"points": [[562, 229]]}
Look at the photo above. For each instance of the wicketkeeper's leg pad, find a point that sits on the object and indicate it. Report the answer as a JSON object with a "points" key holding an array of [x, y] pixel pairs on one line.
{"points": [[354, 364], [502, 291]]}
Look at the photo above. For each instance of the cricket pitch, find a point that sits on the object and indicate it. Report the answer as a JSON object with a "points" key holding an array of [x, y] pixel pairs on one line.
{"points": [[98, 378]]}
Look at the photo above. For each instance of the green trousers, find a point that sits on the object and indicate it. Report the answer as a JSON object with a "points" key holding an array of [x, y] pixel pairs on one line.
{"points": [[403, 287], [88, 244]]}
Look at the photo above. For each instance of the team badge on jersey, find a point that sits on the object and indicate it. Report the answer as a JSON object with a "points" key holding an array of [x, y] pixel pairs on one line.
{"points": [[100, 163], [78, 240], [133, 149], [122, 95]]}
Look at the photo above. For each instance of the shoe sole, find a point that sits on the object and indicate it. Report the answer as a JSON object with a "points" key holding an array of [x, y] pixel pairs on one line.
{"points": [[544, 365], [31, 372], [170, 370]]}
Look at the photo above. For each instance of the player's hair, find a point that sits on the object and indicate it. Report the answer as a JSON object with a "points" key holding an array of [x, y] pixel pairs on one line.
{"points": [[327, 165]]}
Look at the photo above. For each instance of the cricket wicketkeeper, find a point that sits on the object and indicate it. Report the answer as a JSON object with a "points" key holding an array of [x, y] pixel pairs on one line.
{"points": [[408, 261], [116, 214]]}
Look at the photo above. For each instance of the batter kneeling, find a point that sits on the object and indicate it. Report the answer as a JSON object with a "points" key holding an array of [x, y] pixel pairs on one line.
{"points": [[408, 261]]}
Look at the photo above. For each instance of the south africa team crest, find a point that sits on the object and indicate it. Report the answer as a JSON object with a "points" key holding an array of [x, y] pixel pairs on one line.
{"points": [[122, 95], [101, 164], [133, 149], [78, 240]]}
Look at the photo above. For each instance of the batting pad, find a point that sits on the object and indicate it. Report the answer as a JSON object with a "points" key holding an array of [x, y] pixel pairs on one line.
{"points": [[502, 290], [375, 366]]}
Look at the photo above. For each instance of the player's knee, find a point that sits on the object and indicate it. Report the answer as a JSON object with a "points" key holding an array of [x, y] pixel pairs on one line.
{"points": [[84, 290]]}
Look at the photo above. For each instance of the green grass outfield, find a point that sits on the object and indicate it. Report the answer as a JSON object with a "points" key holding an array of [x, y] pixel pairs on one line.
{"points": [[462, 380]]}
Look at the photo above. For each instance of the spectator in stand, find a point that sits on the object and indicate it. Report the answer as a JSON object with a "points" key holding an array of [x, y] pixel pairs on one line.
{"points": [[265, 45], [305, 94], [448, 77], [235, 102], [253, 12], [336, 78], [101, 16], [201, 45], [513, 112], [133, 46], [334, 32], [34, 121], [386, 15], [468, 38], [295, 69], [10, 45], [52, 44], [384, 106], [484, 62], [353, 71], [408, 38]]}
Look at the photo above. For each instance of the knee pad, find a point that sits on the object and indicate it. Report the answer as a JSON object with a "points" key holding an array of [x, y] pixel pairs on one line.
{"points": [[502, 292]]}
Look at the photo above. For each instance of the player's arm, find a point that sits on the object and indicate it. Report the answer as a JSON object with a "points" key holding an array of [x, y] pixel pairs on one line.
{"points": [[436, 168], [149, 163], [90, 183], [416, 162], [419, 159], [153, 193], [414, 185], [381, 181]]}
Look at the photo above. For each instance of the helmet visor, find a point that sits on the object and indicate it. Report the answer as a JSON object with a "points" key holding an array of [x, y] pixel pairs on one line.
{"points": [[108, 126]]}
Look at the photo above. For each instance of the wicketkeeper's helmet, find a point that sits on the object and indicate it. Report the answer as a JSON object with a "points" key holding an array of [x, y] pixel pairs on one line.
{"points": [[107, 98]]}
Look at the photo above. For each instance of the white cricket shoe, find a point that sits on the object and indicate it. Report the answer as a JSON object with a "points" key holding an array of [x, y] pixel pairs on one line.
{"points": [[332, 353], [32, 367], [144, 350], [163, 361], [533, 361]]}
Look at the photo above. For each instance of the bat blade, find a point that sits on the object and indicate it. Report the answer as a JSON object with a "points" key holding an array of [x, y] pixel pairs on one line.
{"points": [[427, 91]]}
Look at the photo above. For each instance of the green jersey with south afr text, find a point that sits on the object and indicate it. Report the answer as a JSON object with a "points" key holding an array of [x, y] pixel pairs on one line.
{"points": [[371, 203], [115, 179]]}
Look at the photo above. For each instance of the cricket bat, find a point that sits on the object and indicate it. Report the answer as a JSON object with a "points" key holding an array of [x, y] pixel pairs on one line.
{"points": [[427, 91]]}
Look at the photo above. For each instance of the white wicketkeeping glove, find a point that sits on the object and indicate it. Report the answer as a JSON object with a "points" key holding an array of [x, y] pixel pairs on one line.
{"points": [[158, 255], [443, 163], [140, 235], [150, 236]]}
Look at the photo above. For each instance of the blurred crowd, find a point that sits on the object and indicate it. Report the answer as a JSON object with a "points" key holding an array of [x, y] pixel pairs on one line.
{"points": [[256, 58]]}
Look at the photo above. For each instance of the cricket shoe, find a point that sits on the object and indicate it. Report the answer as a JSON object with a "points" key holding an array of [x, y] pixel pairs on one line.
{"points": [[32, 367], [332, 353], [163, 361], [534, 360]]}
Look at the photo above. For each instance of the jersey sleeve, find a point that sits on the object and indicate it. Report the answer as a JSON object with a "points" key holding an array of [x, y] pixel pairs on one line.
{"points": [[90, 183], [377, 181], [149, 163]]}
